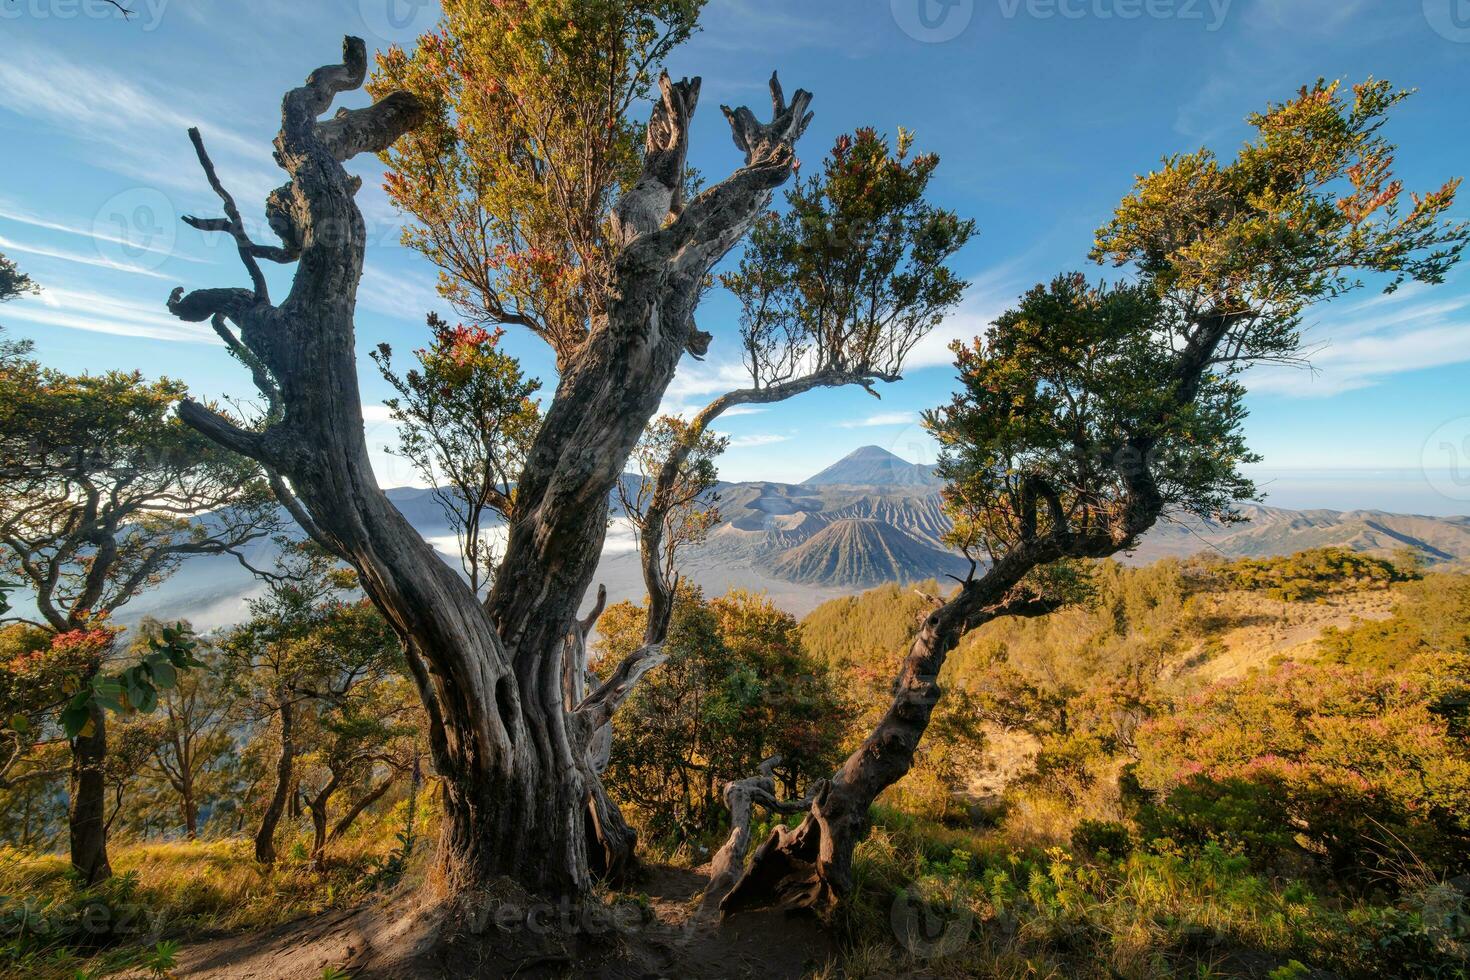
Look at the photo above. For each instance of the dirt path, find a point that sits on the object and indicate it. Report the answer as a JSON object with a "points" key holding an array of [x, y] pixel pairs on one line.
{"points": [[503, 936]]}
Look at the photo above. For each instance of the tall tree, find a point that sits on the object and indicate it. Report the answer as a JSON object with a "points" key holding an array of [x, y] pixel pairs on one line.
{"points": [[511, 750], [103, 494], [1090, 411]]}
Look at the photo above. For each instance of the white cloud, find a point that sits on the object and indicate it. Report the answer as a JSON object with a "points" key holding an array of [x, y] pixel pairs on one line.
{"points": [[880, 420], [80, 258], [139, 131], [404, 295], [764, 439], [1371, 340], [987, 296], [21, 216]]}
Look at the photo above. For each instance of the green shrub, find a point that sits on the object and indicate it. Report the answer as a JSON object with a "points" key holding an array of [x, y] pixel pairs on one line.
{"points": [[1098, 837], [1237, 814], [1354, 769]]}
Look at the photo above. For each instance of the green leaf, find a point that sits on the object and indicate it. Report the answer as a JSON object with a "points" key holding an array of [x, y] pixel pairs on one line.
{"points": [[107, 691], [76, 714], [165, 675]]}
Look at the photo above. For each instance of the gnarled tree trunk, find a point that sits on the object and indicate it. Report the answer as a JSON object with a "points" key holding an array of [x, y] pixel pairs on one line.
{"points": [[512, 753]]}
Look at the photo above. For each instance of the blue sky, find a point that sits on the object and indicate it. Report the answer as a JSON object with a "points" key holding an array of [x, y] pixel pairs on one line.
{"points": [[1041, 110]]}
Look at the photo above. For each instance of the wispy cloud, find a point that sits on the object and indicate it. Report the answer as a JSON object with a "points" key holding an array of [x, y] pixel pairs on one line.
{"points": [[80, 258], [11, 212], [140, 130], [739, 410], [102, 313], [397, 294], [987, 296], [1371, 340], [881, 420]]}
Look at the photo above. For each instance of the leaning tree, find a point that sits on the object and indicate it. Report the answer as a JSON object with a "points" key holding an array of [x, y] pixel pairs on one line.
{"points": [[510, 746], [1091, 411]]}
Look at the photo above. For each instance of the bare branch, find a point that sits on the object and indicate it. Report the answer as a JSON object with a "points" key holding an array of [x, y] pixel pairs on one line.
{"points": [[599, 706], [232, 221]]}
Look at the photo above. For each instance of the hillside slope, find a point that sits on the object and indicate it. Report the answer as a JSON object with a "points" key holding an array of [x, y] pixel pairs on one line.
{"points": [[862, 551]]}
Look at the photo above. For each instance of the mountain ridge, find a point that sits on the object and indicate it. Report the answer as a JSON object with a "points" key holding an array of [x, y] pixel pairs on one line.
{"points": [[804, 543]]}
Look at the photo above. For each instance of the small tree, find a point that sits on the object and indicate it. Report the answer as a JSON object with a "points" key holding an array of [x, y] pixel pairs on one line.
{"points": [[737, 688], [13, 283], [364, 734], [103, 494], [836, 290], [671, 505], [465, 422], [189, 738], [311, 653]]}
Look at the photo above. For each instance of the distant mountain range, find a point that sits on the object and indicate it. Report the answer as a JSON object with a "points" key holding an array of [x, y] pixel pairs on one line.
{"points": [[869, 518]]}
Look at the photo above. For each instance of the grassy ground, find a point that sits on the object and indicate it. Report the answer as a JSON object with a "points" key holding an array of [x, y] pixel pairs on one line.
{"points": [[956, 902], [934, 901], [175, 893]]}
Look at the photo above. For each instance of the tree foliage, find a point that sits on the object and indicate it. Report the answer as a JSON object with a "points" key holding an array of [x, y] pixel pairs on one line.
{"points": [[853, 272], [466, 419], [511, 183], [103, 493], [737, 688]]}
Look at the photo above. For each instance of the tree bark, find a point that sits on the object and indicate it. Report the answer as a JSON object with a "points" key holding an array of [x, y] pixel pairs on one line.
{"points": [[741, 797], [87, 810], [511, 752], [265, 836], [368, 799], [191, 813]]}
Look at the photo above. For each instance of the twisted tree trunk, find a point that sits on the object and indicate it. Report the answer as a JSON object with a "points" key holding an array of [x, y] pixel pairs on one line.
{"points": [[511, 751]]}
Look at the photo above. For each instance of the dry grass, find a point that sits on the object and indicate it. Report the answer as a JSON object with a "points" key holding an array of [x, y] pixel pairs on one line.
{"points": [[184, 890]]}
